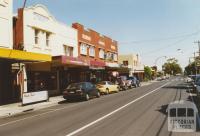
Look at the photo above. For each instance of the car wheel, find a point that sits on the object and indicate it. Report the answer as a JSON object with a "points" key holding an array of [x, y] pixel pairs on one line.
{"points": [[98, 94], [87, 97], [107, 91], [118, 89]]}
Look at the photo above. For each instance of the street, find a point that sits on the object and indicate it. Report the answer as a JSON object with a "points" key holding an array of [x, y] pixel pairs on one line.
{"points": [[139, 112]]}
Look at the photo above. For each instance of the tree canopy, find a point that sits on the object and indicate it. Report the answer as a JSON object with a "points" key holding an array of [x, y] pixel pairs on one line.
{"points": [[147, 73], [172, 67]]}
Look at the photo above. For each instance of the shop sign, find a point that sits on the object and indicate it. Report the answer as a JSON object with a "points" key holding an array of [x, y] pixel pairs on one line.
{"points": [[86, 37], [112, 64], [113, 47], [77, 61], [97, 63], [96, 68], [33, 97], [102, 43]]}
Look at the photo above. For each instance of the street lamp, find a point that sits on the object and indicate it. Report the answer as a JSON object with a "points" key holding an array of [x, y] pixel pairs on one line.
{"points": [[158, 59], [156, 63]]}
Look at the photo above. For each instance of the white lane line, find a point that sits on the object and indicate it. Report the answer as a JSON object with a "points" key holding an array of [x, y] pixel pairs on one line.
{"points": [[113, 112], [15, 121], [30, 117]]}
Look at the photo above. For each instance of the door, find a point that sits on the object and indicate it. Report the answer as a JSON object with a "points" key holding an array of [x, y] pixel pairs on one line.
{"points": [[111, 86]]}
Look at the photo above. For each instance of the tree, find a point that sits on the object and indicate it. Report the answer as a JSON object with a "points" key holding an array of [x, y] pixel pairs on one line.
{"points": [[172, 67], [190, 69], [147, 73]]}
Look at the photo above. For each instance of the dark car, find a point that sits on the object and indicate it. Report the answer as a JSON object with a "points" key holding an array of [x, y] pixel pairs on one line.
{"points": [[135, 82], [82, 90]]}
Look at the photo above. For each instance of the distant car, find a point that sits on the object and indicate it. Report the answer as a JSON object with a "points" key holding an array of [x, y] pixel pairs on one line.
{"points": [[188, 79], [135, 82], [82, 90], [107, 87]]}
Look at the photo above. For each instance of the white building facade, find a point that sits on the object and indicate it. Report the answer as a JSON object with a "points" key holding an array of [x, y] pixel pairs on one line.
{"points": [[37, 31], [42, 33], [6, 32]]}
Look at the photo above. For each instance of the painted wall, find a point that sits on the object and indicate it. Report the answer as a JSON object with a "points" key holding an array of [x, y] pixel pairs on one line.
{"points": [[6, 33], [38, 17], [134, 62]]}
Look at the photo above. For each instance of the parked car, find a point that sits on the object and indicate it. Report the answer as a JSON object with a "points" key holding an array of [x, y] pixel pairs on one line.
{"points": [[134, 81], [107, 87], [82, 90], [121, 83], [197, 87], [127, 81], [124, 83]]}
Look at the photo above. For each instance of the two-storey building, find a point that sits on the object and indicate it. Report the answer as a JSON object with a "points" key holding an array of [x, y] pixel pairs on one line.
{"points": [[36, 30], [13, 79], [100, 52], [133, 63]]}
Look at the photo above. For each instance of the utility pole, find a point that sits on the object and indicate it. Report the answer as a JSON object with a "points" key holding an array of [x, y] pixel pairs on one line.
{"points": [[198, 42], [24, 4], [195, 64]]}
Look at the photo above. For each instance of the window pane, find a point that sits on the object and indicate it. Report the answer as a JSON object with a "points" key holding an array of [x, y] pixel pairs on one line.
{"points": [[190, 112], [172, 112], [182, 112]]}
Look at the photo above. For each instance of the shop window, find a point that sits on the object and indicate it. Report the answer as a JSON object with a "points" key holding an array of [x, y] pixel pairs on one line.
{"points": [[68, 51], [83, 49], [47, 39], [92, 51], [36, 36]]}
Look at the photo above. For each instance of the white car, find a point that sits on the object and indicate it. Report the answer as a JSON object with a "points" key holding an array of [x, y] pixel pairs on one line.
{"points": [[188, 79]]}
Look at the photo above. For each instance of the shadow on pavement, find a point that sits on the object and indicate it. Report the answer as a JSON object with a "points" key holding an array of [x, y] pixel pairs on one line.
{"points": [[70, 101], [163, 109]]}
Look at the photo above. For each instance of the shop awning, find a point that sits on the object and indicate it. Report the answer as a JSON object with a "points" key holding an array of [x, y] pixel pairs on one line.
{"points": [[69, 61], [23, 55]]}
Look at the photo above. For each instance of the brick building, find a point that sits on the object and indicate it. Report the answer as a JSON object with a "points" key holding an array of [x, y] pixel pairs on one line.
{"points": [[100, 51]]}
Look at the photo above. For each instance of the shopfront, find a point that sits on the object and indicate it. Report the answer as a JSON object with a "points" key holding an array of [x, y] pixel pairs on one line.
{"points": [[97, 71], [70, 70], [13, 79]]}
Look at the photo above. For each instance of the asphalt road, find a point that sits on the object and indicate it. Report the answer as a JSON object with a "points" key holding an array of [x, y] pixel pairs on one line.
{"points": [[136, 112]]}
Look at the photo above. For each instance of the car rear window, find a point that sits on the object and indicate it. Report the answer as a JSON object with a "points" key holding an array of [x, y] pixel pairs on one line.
{"points": [[75, 86]]}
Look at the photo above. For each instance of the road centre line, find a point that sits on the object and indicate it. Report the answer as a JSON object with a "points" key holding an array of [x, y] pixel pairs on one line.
{"points": [[113, 112]]}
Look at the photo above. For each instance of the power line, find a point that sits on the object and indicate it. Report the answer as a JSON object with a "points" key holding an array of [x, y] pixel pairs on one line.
{"points": [[161, 39]]}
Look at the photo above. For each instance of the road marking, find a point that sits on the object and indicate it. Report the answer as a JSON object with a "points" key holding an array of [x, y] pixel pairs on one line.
{"points": [[37, 115], [113, 112]]}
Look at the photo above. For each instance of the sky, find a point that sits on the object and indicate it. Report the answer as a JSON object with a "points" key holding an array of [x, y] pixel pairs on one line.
{"points": [[150, 28]]}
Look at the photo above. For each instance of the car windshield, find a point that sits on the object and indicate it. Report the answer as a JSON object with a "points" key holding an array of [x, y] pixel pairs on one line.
{"points": [[75, 86]]}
